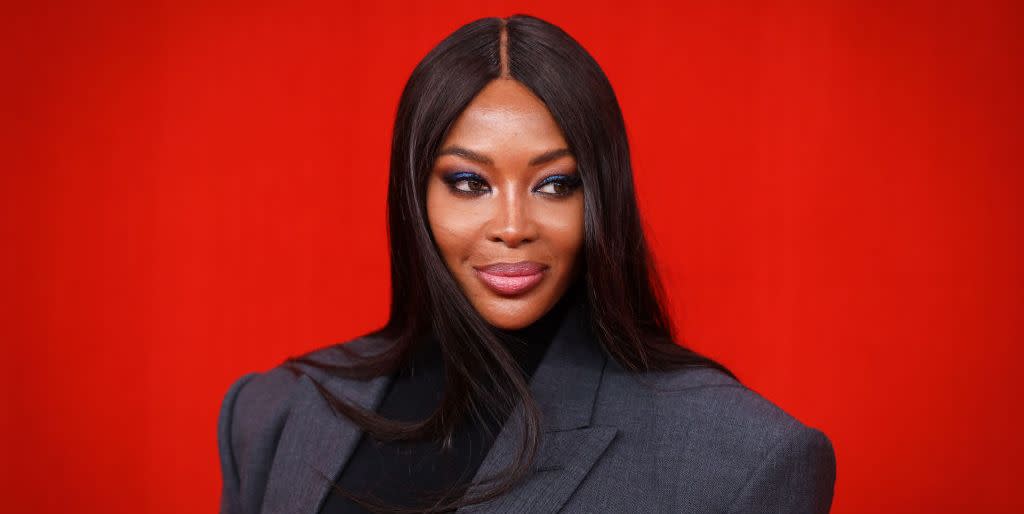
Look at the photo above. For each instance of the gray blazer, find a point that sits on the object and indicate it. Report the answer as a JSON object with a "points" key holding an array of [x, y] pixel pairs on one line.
{"points": [[685, 441]]}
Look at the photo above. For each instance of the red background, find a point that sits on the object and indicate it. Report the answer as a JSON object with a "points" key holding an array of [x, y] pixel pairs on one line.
{"points": [[191, 193]]}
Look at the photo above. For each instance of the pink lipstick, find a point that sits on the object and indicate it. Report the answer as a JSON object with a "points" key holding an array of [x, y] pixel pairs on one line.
{"points": [[510, 279]]}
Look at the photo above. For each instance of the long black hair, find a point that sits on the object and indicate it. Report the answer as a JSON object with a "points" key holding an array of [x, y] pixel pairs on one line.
{"points": [[623, 300]]}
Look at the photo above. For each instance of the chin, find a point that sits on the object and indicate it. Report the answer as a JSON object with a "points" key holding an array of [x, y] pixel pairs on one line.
{"points": [[510, 323], [511, 313]]}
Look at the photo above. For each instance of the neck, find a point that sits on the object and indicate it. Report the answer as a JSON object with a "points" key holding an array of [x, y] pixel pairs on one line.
{"points": [[528, 344]]}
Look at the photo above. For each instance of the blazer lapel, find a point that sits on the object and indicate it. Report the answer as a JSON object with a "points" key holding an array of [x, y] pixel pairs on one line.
{"points": [[565, 387], [316, 444]]}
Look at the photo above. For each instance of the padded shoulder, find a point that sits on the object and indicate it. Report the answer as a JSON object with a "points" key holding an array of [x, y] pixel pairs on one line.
{"points": [[737, 416], [253, 414], [775, 463], [252, 417], [679, 393]]}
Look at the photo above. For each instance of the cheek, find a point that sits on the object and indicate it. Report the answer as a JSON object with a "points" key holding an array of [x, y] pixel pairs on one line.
{"points": [[452, 225], [564, 227]]}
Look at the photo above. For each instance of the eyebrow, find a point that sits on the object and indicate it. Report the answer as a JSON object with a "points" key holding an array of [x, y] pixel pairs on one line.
{"points": [[480, 158]]}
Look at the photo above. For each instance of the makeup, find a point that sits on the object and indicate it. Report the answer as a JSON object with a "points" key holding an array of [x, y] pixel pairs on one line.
{"points": [[511, 279]]}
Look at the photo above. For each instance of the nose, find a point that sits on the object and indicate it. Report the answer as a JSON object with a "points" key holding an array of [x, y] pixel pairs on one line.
{"points": [[513, 223]]}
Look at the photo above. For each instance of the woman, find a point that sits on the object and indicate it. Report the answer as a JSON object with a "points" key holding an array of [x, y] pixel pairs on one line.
{"points": [[528, 364]]}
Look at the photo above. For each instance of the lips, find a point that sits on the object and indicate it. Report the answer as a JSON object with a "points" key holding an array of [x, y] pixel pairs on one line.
{"points": [[511, 279]]}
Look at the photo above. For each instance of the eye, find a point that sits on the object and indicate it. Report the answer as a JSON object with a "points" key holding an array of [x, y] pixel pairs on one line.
{"points": [[559, 185], [466, 183]]}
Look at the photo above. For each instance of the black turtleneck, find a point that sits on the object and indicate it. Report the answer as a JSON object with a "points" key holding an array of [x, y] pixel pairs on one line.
{"points": [[398, 472]]}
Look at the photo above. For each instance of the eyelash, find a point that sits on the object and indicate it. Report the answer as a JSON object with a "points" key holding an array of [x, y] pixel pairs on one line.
{"points": [[573, 182]]}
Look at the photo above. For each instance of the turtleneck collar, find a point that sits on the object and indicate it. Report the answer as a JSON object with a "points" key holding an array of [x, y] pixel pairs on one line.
{"points": [[528, 344]]}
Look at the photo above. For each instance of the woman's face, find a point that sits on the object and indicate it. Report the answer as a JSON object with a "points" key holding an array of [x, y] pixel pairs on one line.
{"points": [[505, 204]]}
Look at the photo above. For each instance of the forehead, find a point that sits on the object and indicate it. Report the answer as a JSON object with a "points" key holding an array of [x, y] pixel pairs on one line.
{"points": [[506, 117]]}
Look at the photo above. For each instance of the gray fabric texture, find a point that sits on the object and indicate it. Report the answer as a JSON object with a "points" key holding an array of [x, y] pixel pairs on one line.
{"points": [[692, 441]]}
